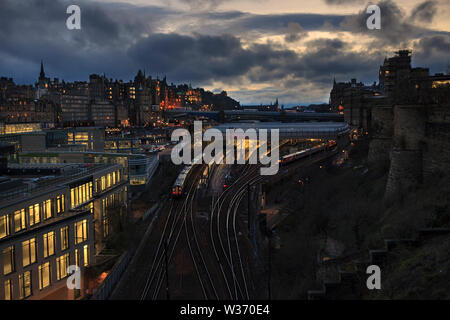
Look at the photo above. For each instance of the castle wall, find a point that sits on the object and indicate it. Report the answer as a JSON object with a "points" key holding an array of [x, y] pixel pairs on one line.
{"points": [[382, 130], [421, 147], [405, 173], [436, 157], [406, 169], [409, 126]]}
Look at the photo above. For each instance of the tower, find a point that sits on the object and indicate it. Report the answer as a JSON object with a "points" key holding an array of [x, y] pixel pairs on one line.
{"points": [[43, 83], [42, 74]]}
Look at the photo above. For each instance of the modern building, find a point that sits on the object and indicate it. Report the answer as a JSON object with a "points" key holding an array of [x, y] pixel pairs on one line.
{"points": [[48, 223]]}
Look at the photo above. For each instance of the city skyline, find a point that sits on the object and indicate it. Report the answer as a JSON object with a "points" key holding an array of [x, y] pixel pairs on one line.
{"points": [[255, 52]]}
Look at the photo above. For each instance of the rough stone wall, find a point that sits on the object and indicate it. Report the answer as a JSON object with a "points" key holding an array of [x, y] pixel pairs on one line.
{"points": [[409, 126], [382, 130], [405, 173], [406, 169], [436, 156]]}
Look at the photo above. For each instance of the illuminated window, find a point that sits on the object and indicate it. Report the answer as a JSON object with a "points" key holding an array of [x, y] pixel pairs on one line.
{"points": [[443, 83], [61, 266], [47, 209], [49, 244], [105, 227], [81, 194], [29, 252], [86, 255], [80, 231], [34, 214], [104, 205], [8, 260], [19, 220], [60, 204], [8, 290], [64, 238], [77, 257], [4, 226], [44, 275], [25, 285], [108, 181]]}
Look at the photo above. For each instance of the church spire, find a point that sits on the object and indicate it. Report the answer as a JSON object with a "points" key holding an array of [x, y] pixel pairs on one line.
{"points": [[42, 74]]}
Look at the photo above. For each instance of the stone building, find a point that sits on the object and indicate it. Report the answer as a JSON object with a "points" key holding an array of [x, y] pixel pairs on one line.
{"points": [[407, 116]]}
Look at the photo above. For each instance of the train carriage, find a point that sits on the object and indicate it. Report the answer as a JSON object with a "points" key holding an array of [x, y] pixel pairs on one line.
{"points": [[178, 186]]}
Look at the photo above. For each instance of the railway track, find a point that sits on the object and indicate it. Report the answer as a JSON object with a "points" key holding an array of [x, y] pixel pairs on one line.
{"points": [[220, 274], [173, 227], [223, 225]]}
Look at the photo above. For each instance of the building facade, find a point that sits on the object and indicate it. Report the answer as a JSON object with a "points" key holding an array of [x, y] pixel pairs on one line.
{"points": [[55, 224]]}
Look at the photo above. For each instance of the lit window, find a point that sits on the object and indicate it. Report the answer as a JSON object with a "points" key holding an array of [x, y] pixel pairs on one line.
{"points": [[61, 266], [44, 275], [49, 244], [47, 209], [81, 194], [60, 204], [8, 260], [105, 227], [103, 183], [80, 231], [77, 257], [34, 214], [29, 252], [19, 220], [8, 290], [25, 285], [86, 255], [4, 226], [64, 238]]}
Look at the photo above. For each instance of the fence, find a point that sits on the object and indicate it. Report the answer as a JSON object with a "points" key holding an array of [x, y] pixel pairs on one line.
{"points": [[107, 286]]}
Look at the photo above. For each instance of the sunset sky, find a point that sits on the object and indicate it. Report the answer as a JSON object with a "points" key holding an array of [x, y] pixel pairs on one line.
{"points": [[256, 50]]}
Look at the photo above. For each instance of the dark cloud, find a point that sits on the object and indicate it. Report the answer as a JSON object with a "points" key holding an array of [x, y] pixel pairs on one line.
{"points": [[432, 51], [213, 47], [294, 32], [425, 11], [396, 27]]}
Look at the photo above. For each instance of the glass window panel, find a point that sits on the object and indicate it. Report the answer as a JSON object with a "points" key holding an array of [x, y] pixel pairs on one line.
{"points": [[8, 260], [4, 226], [25, 285], [44, 275], [8, 290]]}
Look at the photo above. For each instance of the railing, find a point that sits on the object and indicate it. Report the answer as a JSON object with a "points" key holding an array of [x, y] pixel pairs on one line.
{"points": [[106, 288]]}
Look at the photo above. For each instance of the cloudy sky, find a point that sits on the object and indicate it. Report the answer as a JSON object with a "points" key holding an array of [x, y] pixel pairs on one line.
{"points": [[257, 50]]}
